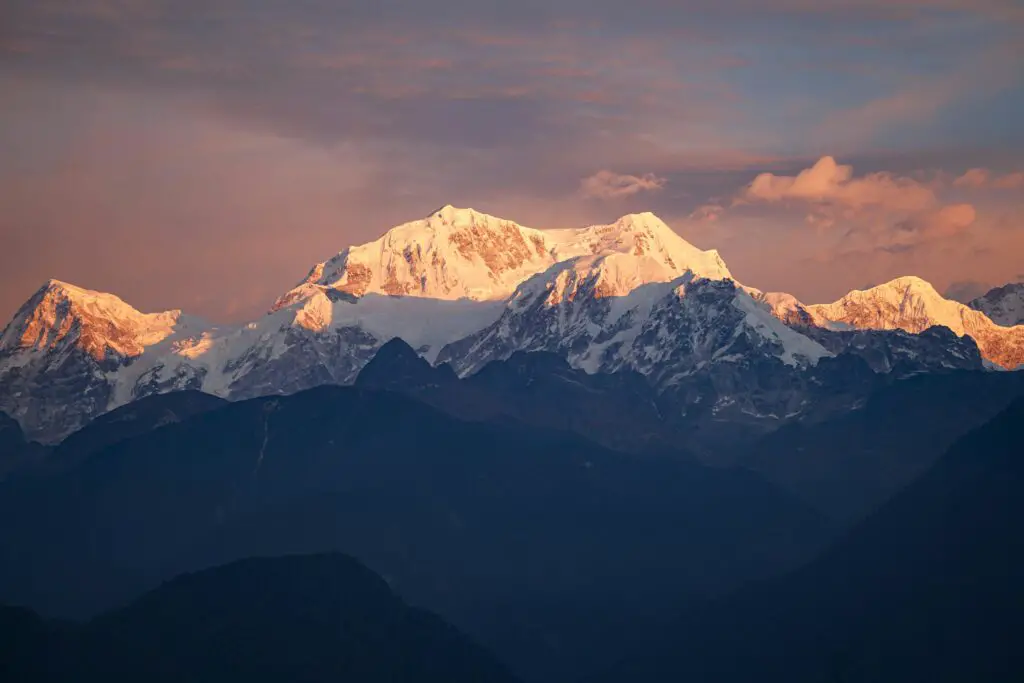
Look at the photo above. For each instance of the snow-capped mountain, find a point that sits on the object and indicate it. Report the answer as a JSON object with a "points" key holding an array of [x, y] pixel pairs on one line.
{"points": [[71, 354], [468, 288], [451, 254], [464, 254], [665, 330], [1004, 305], [60, 350], [913, 305]]}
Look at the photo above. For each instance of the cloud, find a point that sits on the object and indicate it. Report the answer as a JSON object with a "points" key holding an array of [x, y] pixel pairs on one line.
{"points": [[947, 221], [878, 215], [611, 185], [977, 178], [708, 213], [829, 183]]}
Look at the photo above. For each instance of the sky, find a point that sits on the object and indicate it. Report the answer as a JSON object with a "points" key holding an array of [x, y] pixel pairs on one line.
{"points": [[203, 154]]}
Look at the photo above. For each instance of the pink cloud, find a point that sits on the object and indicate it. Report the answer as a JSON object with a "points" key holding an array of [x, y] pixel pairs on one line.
{"points": [[977, 178], [829, 183], [707, 213], [947, 221], [610, 185]]}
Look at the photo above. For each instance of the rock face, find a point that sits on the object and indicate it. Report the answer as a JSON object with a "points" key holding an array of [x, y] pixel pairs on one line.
{"points": [[1004, 305], [59, 353], [466, 288], [687, 332]]}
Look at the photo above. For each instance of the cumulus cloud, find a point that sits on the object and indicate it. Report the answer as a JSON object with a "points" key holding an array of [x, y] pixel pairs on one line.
{"points": [[977, 178], [830, 183], [610, 185]]}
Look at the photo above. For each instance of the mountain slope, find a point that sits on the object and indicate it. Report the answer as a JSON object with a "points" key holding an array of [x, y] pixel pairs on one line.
{"points": [[1004, 305], [913, 305], [850, 463], [16, 452], [620, 411], [603, 328], [705, 344], [299, 618], [926, 589], [451, 254], [499, 529], [128, 421]]}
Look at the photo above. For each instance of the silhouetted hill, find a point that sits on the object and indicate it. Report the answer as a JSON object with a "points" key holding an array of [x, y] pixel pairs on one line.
{"points": [[497, 528], [302, 618], [618, 410], [19, 457], [850, 464], [16, 452], [397, 367], [131, 420], [926, 589]]}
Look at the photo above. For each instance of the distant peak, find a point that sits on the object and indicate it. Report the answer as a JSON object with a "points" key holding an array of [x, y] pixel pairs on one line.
{"points": [[643, 218], [74, 291], [397, 367], [396, 347], [909, 281], [451, 210], [55, 285], [644, 215], [96, 322]]}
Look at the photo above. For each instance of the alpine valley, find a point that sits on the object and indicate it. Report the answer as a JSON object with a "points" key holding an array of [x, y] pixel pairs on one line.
{"points": [[466, 289]]}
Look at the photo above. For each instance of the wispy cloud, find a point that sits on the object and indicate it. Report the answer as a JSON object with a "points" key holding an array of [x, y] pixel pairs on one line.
{"points": [[977, 178], [611, 185]]}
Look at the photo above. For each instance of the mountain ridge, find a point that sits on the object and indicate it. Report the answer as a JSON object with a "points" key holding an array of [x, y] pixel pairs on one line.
{"points": [[924, 589], [311, 618], [601, 295]]}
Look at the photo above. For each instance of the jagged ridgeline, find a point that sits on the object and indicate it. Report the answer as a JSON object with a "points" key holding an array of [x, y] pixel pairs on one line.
{"points": [[467, 288]]}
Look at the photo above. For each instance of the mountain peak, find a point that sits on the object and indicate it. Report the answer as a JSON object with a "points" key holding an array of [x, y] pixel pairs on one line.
{"points": [[913, 305], [397, 367], [60, 313], [54, 286], [461, 253], [643, 217], [911, 282], [1004, 305], [452, 210]]}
